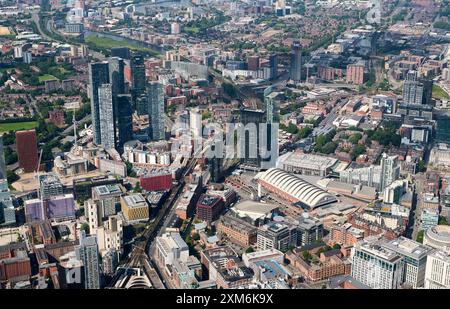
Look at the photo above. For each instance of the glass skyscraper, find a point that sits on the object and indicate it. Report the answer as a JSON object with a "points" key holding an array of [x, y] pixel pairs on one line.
{"points": [[98, 75], [155, 96], [124, 120], [138, 84], [296, 62], [107, 129]]}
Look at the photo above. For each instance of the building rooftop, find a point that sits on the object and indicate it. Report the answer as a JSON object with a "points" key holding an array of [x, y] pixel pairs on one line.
{"points": [[106, 190], [135, 200], [271, 269], [408, 247], [298, 189], [307, 161], [374, 246], [208, 200]]}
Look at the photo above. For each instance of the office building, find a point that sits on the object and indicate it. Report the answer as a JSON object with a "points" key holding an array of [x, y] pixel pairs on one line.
{"points": [[416, 91], [277, 235], [415, 259], [376, 266], [87, 252], [238, 231], [296, 62], [27, 151], [106, 109], [155, 93], [310, 230], [134, 207], [429, 218], [437, 274], [171, 247], [138, 83], [209, 208], [98, 75]]}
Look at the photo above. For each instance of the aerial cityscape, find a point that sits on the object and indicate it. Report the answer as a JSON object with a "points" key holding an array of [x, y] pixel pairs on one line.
{"points": [[225, 144]]}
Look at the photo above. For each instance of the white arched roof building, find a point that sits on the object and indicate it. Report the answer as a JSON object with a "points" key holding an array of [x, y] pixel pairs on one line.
{"points": [[295, 189]]}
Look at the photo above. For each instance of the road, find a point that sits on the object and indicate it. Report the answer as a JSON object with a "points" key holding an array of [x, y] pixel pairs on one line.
{"points": [[35, 18]]}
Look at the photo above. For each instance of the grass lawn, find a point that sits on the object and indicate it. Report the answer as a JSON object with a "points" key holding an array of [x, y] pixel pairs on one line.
{"points": [[191, 29], [16, 126], [439, 93], [45, 77], [108, 43]]}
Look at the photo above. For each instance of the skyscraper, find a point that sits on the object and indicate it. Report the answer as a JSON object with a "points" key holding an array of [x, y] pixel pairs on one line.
{"points": [[273, 65], [124, 120], [138, 80], [390, 170], [121, 52], [296, 62], [415, 90], [106, 109], [98, 75], [248, 143], [27, 150], [155, 96], [269, 137], [116, 75], [2, 160], [87, 251]]}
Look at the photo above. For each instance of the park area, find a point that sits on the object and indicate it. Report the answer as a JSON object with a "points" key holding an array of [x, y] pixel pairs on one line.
{"points": [[17, 126], [439, 93], [46, 77], [100, 42]]}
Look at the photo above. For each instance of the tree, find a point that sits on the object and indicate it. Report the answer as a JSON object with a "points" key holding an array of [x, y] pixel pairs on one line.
{"points": [[354, 138], [306, 255], [130, 171], [11, 177], [249, 250], [10, 156], [421, 166], [358, 150], [20, 101], [419, 237], [85, 227], [443, 220], [137, 188], [304, 132], [337, 246]]}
